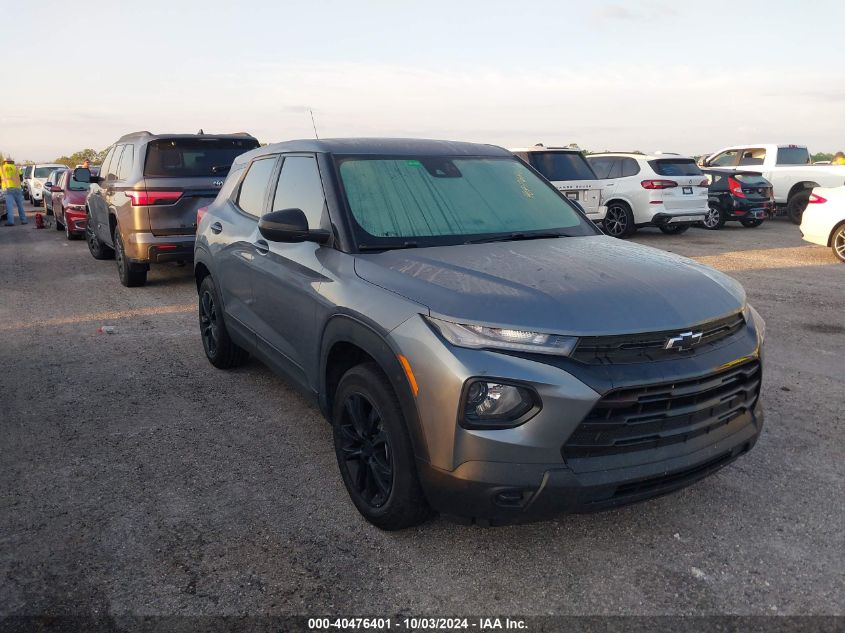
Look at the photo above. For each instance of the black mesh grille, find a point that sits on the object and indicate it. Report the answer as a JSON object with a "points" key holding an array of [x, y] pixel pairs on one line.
{"points": [[649, 346], [643, 418]]}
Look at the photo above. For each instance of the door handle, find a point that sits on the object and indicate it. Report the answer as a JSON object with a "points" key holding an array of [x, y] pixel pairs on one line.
{"points": [[216, 228], [262, 247]]}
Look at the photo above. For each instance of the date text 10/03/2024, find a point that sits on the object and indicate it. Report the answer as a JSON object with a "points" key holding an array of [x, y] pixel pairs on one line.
{"points": [[418, 624]]}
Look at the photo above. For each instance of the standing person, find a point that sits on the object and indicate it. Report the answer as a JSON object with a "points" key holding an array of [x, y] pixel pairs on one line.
{"points": [[11, 181], [838, 159]]}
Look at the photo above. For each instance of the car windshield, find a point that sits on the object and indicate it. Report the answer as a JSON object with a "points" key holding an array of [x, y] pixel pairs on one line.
{"points": [[432, 201], [191, 157], [43, 172], [793, 156], [558, 166], [675, 167]]}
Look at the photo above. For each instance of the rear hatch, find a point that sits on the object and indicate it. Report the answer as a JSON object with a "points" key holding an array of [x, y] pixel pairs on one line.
{"points": [[690, 191], [754, 187], [571, 174], [183, 174]]}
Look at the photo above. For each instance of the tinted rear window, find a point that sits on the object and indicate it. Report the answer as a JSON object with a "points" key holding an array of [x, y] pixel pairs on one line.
{"points": [[793, 156], [561, 165], [753, 180], [675, 167], [188, 157]]}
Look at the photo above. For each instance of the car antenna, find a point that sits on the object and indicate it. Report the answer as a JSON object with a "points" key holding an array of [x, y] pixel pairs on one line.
{"points": [[317, 136]]}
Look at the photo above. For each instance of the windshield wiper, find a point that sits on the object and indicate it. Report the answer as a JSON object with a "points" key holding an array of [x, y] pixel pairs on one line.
{"points": [[387, 246], [513, 237]]}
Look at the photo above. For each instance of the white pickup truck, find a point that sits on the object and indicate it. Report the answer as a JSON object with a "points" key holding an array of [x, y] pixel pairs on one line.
{"points": [[788, 167]]}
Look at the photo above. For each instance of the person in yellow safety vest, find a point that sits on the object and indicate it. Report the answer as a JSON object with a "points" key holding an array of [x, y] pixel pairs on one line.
{"points": [[11, 181], [838, 159]]}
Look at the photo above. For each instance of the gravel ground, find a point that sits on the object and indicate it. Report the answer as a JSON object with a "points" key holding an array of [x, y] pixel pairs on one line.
{"points": [[136, 479]]}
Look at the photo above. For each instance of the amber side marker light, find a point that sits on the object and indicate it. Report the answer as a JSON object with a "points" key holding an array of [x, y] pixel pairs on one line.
{"points": [[409, 373]]}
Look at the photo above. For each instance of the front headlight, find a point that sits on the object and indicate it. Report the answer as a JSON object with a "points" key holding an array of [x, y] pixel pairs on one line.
{"points": [[38, 185], [485, 337], [752, 316]]}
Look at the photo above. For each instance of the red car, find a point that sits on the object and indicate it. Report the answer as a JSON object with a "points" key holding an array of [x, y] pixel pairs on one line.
{"points": [[69, 204]]}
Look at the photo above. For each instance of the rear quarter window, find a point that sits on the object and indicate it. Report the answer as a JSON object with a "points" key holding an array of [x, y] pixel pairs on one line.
{"points": [[675, 167], [793, 156]]}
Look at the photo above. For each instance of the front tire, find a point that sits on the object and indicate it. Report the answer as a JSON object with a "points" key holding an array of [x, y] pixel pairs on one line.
{"points": [[129, 276], [796, 205], [837, 242], [619, 220], [219, 348], [95, 246], [374, 452], [714, 220]]}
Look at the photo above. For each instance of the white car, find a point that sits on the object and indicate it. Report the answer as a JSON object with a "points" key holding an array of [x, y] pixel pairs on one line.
{"points": [[668, 191], [568, 170], [823, 221], [37, 177]]}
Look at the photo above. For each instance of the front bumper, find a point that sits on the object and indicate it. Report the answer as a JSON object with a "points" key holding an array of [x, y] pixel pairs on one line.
{"points": [[146, 248], [522, 474], [495, 493], [75, 221]]}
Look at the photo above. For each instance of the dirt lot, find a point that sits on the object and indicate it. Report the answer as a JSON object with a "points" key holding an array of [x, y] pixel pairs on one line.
{"points": [[137, 479]]}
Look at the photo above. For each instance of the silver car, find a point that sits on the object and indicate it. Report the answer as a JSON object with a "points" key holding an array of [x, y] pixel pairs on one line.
{"points": [[478, 346]]}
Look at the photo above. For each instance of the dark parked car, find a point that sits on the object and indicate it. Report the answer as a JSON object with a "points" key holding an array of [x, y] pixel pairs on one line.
{"points": [[142, 207], [69, 204], [49, 186], [741, 196], [479, 347]]}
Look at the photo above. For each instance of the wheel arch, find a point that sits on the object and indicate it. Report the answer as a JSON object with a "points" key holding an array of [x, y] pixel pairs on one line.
{"points": [[348, 341], [798, 187], [833, 232]]}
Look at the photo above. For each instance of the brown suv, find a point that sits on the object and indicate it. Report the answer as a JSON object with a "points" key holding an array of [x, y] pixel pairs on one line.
{"points": [[142, 207]]}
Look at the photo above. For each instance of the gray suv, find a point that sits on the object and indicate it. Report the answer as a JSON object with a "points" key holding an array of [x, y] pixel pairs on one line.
{"points": [[142, 207], [479, 347]]}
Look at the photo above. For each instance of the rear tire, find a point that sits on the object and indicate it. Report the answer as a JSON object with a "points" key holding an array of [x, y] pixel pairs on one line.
{"points": [[374, 452], [619, 220], [220, 350], [674, 229], [797, 204], [715, 219], [95, 246], [129, 276], [837, 243], [750, 224]]}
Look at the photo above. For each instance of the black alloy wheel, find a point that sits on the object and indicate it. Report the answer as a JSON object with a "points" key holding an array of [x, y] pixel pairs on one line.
{"points": [[618, 221], [366, 450], [95, 246], [209, 325]]}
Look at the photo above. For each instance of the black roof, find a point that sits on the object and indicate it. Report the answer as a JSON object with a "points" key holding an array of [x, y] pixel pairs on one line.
{"points": [[150, 136], [379, 147]]}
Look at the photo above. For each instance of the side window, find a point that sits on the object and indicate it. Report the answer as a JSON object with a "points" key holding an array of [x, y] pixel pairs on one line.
{"points": [[127, 161], [601, 166], [752, 157], [616, 168], [253, 190], [629, 167], [110, 164], [300, 187], [725, 159]]}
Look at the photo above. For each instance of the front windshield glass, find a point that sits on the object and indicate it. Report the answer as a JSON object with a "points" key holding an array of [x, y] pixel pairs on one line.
{"points": [[443, 200]]}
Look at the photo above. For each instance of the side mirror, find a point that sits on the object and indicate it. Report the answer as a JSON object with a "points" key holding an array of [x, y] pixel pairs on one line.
{"points": [[82, 174], [289, 225]]}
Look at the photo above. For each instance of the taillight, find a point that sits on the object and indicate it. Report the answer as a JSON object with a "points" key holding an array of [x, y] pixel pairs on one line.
{"points": [[152, 198], [201, 213], [815, 199], [735, 187], [658, 184]]}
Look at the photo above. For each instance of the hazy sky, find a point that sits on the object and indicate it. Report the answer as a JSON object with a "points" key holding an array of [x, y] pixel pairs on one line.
{"points": [[650, 75]]}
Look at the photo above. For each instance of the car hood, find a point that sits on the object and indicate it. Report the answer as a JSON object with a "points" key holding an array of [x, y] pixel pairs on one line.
{"points": [[579, 285]]}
